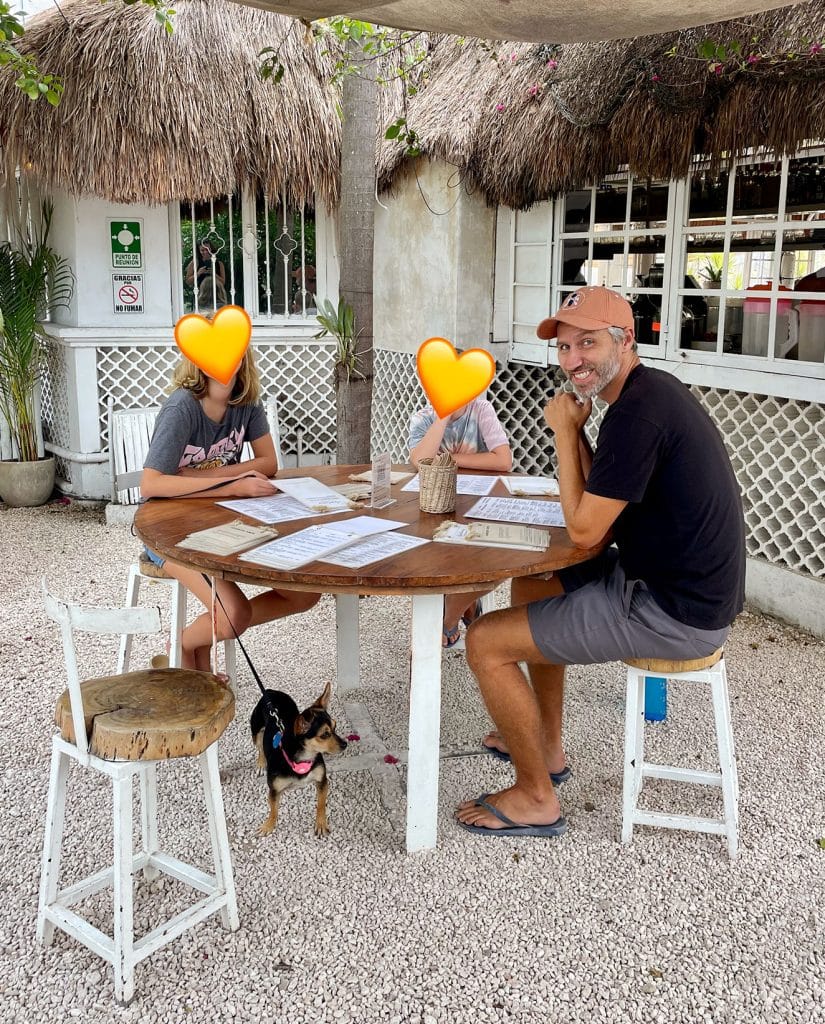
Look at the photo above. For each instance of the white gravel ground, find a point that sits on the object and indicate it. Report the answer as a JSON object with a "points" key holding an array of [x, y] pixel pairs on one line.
{"points": [[480, 930]]}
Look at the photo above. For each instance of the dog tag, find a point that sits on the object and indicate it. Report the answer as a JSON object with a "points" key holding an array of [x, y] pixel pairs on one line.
{"points": [[276, 740]]}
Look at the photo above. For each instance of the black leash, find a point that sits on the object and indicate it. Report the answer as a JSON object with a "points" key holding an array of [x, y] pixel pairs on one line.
{"points": [[272, 711]]}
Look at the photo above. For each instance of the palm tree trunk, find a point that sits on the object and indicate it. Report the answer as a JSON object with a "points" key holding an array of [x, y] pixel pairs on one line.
{"points": [[357, 216]]}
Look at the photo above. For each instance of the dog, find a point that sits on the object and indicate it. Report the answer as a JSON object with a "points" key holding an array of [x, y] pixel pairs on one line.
{"points": [[295, 758]]}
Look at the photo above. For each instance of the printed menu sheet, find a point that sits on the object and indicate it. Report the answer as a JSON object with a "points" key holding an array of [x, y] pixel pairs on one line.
{"points": [[313, 494], [375, 549], [518, 510], [465, 483], [280, 508], [317, 542]]}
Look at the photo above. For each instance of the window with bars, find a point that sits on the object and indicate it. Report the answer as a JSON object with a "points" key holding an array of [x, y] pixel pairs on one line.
{"points": [[252, 251]]}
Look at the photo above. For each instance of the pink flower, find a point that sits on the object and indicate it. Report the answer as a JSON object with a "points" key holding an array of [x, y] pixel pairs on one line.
{"points": [[500, 107], [552, 64], [389, 759], [353, 737], [533, 90], [513, 58], [816, 48], [715, 68], [753, 58], [654, 78]]}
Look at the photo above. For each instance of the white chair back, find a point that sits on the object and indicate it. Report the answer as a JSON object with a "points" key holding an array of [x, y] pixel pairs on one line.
{"points": [[91, 620], [271, 407], [130, 431]]}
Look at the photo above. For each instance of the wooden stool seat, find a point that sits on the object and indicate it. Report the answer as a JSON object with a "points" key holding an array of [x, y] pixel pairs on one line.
{"points": [[150, 715], [150, 568], [663, 666]]}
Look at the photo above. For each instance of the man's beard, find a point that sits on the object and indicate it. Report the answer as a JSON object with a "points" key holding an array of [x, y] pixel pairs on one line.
{"points": [[604, 374]]}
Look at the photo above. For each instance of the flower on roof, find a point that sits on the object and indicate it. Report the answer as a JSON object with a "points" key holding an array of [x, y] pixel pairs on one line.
{"points": [[500, 107], [815, 48], [552, 64]]}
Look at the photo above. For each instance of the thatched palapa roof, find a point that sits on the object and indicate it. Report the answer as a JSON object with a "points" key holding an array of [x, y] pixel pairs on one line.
{"points": [[153, 117], [522, 130]]}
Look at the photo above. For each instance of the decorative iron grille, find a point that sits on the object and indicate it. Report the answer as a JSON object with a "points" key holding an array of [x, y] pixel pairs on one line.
{"points": [[776, 445]]}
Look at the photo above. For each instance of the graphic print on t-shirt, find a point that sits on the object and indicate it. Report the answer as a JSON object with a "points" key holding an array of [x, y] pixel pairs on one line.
{"points": [[223, 453]]}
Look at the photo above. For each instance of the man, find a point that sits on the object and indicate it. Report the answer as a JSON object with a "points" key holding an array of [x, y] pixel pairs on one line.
{"points": [[660, 481]]}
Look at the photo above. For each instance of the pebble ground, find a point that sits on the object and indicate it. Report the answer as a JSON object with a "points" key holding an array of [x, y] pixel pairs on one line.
{"points": [[351, 929]]}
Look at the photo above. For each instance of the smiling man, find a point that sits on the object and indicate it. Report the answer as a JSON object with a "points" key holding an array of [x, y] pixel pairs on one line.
{"points": [[661, 486]]}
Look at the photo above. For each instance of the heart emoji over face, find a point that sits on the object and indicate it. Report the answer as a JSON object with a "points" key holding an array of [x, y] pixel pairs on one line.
{"points": [[218, 347], [451, 380]]}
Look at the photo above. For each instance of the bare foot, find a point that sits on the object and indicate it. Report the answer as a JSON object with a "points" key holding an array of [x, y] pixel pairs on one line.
{"points": [[515, 805]]}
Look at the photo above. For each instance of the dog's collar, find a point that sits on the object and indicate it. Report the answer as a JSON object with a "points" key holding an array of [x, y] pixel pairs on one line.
{"points": [[301, 767]]}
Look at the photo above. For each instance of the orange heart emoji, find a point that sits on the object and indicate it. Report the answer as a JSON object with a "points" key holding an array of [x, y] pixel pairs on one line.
{"points": [[451, 380], [218, 347]]}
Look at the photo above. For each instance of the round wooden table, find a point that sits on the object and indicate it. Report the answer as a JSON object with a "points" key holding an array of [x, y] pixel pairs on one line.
{"points": [[425, 573]]}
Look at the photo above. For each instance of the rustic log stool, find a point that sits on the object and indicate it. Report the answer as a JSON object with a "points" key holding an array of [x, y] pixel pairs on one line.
{"points": [[144, 569], [710, 670], [122, 725]]}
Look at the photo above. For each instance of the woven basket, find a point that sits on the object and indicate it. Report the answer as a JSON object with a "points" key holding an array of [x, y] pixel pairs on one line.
{"points": [[436, 486]]}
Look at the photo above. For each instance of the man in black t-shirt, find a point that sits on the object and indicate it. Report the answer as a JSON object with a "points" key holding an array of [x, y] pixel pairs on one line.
{"points": [[660, 482]]}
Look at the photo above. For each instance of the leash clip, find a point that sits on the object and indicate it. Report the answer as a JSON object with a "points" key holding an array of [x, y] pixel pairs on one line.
{"points": [[276, 740]]}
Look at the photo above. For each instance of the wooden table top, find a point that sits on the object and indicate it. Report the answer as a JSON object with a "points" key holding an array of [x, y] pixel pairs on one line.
{"points": [[431, 568]]}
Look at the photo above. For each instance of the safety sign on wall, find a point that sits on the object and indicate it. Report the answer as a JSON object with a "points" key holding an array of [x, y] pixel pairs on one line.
{"points": [[127, 290], [127, 243]]}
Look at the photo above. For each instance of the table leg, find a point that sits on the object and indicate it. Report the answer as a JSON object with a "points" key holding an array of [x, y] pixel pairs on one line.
{"points": [[425, 722], [348, 670]]}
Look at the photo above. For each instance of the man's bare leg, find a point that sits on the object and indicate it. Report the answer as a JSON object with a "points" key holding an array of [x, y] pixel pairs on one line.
{"points": [[547, 680], [496, 643]]}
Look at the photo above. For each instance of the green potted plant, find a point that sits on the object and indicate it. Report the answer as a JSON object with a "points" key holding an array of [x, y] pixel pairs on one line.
{"points": [[711, 272], [33, 280]]}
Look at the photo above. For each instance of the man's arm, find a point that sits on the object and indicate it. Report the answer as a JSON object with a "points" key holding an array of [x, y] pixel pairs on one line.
{"points": [[588, 517], [499, 460]]}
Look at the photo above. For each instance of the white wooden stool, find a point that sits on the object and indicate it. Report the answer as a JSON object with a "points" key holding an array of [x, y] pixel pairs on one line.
{"points": [[710, 670], [123, 726]]}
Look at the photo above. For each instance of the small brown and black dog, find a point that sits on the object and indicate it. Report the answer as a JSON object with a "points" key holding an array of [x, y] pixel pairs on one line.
{"points": [[295, 757]]}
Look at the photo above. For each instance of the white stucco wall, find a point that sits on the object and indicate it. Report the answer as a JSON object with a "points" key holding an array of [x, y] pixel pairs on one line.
{"points": [[82, 231], [433, 263]]}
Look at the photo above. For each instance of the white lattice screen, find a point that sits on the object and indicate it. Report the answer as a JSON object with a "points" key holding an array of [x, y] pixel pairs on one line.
{"points": [[776, 445], [297, 374]]}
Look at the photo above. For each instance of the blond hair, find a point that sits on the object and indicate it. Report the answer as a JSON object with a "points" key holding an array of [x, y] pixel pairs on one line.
{"points": [[247, 389]]}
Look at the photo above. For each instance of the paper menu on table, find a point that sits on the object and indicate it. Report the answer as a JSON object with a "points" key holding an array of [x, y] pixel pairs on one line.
{"points": [[313, 494], [530, 485], [308, 545], [375, 549], [227, 538], [518, 510], [315, 543], [366, 526], [497, 535], [279, 508], [465, 483]]}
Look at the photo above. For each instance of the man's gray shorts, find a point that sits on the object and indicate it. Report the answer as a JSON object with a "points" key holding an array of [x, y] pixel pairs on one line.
{"points": [[603, 616]]}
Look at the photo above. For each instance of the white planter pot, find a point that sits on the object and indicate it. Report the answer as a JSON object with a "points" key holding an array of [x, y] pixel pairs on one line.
{"points": [[27, 484]]}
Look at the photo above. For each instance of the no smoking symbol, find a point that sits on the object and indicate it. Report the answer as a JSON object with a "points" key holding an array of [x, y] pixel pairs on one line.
{"points": [[127, 294]]}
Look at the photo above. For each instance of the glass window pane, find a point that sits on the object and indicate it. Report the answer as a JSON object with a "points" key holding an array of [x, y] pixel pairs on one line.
{"points": [[806, 185], [215, 277], [699, 322], [577, 210], [573, 256], [756, 190], [647, 305], [708, 196], [751, 259], [283, 241], [648, 204], [611, 205]]}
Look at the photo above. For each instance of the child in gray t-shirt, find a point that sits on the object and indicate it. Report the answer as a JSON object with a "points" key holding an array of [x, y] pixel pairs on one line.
{"points": [[195, 451]]}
